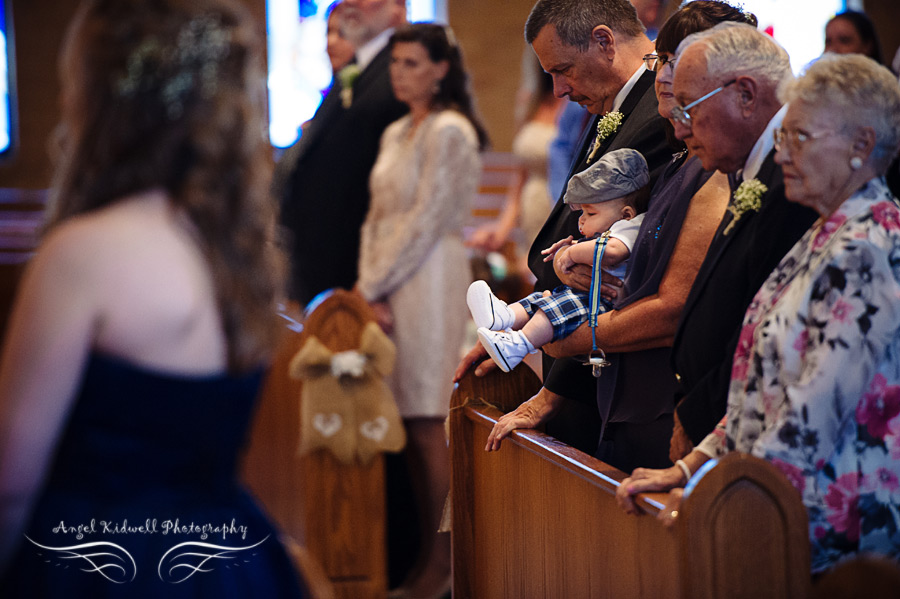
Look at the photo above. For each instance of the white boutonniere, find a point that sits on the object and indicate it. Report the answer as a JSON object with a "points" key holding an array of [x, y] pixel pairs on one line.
{"points": [[746, 197], [347, 76], [605, 127]]}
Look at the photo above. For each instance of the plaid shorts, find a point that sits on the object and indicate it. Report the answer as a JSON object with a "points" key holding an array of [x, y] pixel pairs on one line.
{"points": [[566, 308]]}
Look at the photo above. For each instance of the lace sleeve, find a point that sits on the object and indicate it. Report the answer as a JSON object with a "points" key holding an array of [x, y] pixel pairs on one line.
{"points": [[448, 181]]}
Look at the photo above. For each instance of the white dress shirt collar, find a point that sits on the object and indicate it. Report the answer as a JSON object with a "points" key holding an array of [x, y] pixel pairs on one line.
{"points": [[366, 53], [626, 89], [762, 147]]}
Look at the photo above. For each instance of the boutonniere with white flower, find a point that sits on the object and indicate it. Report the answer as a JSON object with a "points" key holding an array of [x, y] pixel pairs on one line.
{"points": [[605, 127], [347, 76], [746, 197]]}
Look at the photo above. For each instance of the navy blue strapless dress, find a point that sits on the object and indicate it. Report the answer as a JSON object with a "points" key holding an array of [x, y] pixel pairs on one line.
{"points": [[142, 499]]}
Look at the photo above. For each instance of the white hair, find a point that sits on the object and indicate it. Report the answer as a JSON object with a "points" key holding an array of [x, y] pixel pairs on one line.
{"points": [[738, 48], [865, 93]]}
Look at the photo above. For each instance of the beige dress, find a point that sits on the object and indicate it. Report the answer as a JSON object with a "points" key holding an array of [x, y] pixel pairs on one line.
{"points": [[412, 252], [531, 146]]}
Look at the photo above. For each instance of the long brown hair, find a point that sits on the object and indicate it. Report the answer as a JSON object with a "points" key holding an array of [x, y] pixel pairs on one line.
{"points": [[170, 94], [453, 90]]}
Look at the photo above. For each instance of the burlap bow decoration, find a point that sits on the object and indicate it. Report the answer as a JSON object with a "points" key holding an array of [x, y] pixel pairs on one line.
{"points": [[346, 406]]}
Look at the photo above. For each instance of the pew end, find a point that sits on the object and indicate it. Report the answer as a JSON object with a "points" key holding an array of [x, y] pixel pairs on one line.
{"points": [[539, 518], [336, 511]]}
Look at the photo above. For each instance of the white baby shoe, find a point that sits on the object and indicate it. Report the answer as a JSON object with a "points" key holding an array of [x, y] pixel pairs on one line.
{"points": [[507, 349], [488, 311]]}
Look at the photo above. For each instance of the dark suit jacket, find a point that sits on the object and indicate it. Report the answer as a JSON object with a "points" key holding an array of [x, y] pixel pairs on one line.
{"points": [[325, 194], [642, 129], [735, 268]]}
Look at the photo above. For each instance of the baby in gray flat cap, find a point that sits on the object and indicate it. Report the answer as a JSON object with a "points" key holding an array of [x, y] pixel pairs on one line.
{"points": [[610, 194]]}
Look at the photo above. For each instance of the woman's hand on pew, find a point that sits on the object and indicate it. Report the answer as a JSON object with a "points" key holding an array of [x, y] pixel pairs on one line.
{"points": [[680, 445], [669, 513], [530, 414], [647, 479], [477, 356]]}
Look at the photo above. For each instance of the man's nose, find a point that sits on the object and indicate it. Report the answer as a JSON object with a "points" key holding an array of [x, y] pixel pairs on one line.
{"points": [[681, 132], [561, 87]]}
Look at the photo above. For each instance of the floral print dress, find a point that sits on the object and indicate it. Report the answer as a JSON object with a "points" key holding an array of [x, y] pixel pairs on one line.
{"points": [[815, 384]]}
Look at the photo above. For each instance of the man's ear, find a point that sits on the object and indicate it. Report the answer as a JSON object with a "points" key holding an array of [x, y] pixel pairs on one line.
{"points": [[606, 39], [748, 94]]}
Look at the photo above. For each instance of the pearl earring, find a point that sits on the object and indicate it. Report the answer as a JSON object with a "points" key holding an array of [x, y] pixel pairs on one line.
{"points": [[856, 163], [436, 87]]}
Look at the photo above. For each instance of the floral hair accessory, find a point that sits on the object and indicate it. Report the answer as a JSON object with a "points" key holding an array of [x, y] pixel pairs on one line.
{"points": [[606, 126], [746, 197], [176, 70], [347, 76]]}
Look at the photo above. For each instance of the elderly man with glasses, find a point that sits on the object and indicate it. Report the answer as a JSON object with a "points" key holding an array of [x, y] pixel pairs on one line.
{"points": [[725, 83]]}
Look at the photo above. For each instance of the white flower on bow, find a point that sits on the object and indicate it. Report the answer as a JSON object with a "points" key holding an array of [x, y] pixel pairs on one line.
{"points": [[605, 127], [351, 363], [347, 76], [746, 197]]}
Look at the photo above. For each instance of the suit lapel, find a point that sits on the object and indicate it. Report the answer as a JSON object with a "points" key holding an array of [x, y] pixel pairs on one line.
{"points": [[587, 137], [333, 105], [372, 71], [628, 105], [721, 241]]}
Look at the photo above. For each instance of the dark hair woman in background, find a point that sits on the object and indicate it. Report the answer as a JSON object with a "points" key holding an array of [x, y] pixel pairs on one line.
{"points": [[413, 266]]}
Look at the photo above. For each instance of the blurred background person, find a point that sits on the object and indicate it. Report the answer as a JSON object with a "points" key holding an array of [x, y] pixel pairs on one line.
{"points": [[322, 180], [340, 49], [852, 32], [652, 13], [414, 269], [138, 339], [528, 201]]}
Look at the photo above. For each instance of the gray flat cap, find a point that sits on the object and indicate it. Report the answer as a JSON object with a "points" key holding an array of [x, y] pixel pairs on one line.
{"points": [[614, 175]]}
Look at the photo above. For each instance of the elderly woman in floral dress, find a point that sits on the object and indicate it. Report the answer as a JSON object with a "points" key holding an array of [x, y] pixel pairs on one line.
{"points": [[815, 383]]}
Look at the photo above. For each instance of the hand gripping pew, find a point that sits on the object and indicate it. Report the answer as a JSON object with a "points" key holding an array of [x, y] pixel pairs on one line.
{"points": [[539, 518], [334, 511]]}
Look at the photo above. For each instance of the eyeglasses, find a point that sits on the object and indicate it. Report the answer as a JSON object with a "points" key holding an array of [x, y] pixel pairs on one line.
{"points": [[794, 139], [655, 62], [680, 113]]}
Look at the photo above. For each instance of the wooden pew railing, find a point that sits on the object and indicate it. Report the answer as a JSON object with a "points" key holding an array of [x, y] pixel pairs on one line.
{"points": [[333, 510], [539, 519]]}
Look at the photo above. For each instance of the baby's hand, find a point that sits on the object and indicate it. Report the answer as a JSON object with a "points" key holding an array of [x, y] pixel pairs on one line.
{"points": [[550, 252], [564, 261]]}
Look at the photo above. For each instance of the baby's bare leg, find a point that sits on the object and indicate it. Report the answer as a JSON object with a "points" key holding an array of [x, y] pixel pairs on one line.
{"points": [[538, 329], [521, 315]]}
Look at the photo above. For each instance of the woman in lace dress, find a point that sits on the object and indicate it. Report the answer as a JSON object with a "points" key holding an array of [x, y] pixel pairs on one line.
{"points": [[414, 269]]}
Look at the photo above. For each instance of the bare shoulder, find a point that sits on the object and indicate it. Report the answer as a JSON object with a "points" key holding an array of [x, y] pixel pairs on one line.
{"points": [[112, 238]]}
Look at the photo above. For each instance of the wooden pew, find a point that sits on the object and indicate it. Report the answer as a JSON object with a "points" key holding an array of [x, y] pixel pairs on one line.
{"points": [[539, 519], [21, 217], [335, 511]]}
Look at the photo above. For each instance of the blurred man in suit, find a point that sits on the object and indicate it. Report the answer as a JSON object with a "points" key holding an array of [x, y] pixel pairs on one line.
{"points": [[323, 179]]}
